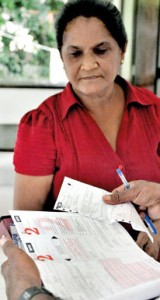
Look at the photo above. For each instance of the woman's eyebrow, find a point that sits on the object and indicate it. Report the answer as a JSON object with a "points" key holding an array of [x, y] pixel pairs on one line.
{"points": [[104, 43], [74, 47]]}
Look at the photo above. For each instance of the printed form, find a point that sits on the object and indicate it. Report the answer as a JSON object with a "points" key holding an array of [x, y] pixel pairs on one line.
{"points": [[79, 197], [80, 258]]}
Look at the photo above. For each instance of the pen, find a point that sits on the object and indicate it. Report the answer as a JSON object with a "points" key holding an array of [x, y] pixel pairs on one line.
{"points": [[123, 178], [127, 186], [150, 224]]}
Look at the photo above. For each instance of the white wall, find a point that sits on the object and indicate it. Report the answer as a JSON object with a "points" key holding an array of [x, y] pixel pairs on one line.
{"points": [[128, 17], [14, 102]]}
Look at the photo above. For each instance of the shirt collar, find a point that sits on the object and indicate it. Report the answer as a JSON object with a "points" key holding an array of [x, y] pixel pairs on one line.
{"points": [[133, 95], [68, 100]]}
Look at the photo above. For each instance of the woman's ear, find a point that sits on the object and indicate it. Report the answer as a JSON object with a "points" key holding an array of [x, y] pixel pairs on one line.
{"points": [[123, 53]]}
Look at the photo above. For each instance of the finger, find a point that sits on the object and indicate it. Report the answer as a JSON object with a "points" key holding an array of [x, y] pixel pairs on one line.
{"points": [[142, 240], [152, 249], [141, 207], [3, 240], [7, 245], [142, 215], [116, 197], [112, 198], [4, 269], [154, 212]]}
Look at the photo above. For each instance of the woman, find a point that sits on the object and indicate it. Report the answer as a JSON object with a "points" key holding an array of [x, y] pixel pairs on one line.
{"points": [[97, 123]]}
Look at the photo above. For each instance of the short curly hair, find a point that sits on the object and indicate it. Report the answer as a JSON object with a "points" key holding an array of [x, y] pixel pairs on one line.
{"points": [[104, 10]]}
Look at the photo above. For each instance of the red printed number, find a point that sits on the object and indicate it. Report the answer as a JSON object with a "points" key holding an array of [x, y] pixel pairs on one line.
{"points": [[44, 257], [31, 230]]}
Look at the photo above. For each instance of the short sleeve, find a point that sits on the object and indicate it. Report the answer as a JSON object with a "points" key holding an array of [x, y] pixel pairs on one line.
{"points": [[35, 151]]}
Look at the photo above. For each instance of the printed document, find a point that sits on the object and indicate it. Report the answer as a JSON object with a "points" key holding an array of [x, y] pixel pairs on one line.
{"points": [[79, 197], [81, 258]]}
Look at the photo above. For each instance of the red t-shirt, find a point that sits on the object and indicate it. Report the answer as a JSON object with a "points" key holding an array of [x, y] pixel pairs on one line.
{"points": [[60, 137]]}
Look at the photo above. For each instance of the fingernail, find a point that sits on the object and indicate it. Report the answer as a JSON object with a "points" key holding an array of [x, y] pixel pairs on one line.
{"points": [[3, 240], [107, 198], [3, 236]]}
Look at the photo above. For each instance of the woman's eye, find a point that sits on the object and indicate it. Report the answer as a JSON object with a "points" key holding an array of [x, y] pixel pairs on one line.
{"points": [[100, 51], [76, 54]]}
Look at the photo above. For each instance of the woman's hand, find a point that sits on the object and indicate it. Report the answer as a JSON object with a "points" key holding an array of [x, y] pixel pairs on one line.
{"points": [[19, 271], [143, 193], [144, 242], [147, 196]]}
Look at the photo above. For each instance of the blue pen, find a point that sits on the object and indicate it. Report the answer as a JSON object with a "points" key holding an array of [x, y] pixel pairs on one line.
{"points": [[123, 178], [127, 186], [150, 224]]}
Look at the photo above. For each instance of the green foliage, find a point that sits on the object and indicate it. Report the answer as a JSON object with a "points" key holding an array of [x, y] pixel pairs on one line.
{"points": [[38, 17]]}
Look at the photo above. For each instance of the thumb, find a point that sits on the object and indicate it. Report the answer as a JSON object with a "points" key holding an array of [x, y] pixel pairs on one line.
{"points": [[117, 197], [6, 245], [3, 240]]}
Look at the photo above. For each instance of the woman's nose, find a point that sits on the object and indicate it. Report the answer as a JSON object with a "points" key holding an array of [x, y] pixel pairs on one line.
{"points": [[89, 62]]}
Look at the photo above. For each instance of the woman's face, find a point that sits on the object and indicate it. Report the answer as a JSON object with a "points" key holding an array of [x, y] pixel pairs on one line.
{"points": [[91, 57]]}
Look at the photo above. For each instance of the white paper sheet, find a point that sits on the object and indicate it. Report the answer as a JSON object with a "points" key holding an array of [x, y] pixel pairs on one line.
{"points": [[80, 258], [76, 196]]}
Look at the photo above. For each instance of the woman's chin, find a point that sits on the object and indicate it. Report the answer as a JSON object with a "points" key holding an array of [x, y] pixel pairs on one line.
{"points": [[90, 91]]}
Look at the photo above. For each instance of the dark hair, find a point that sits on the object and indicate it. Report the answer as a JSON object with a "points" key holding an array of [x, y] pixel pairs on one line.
{"points": [[101, 9]]}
